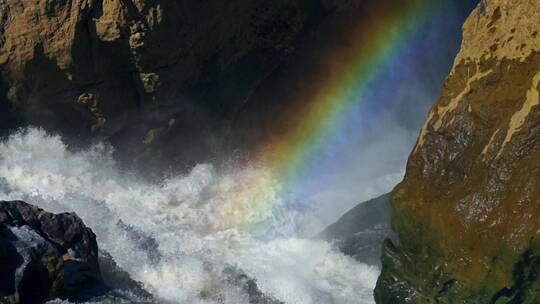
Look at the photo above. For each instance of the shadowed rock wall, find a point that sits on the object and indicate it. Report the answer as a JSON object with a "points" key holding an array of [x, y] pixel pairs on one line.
{"points": [[137, 71]]}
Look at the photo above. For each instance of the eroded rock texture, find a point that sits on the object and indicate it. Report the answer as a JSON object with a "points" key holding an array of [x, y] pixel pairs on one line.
{"points": [[468, 211], [137, 71], [44, 256]]}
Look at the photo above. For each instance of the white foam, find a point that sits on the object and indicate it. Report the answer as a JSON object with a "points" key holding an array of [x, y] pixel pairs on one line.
{"points": [[201, 222]]}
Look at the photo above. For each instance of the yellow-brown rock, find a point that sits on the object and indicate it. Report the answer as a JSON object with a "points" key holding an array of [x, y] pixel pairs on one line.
{"points": [[468, 211]]}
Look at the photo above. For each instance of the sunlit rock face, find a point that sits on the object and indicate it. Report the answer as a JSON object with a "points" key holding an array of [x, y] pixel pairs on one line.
{"points": [[468, 213]]}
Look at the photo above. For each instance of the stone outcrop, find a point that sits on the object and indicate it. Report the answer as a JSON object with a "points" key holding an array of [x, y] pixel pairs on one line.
{"points": [[43, 255], [361, 231], [468, 211]]}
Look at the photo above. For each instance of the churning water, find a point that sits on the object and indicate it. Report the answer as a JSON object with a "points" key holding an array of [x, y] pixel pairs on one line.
{"points": [[177, 236]]}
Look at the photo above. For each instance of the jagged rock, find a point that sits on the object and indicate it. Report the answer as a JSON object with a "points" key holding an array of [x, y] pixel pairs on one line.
{"points": [[361, 231], [467, 213], [43, 255]]}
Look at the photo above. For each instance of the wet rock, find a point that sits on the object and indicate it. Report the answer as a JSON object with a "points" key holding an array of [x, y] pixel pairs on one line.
{"points": [[43, 255], [361, 231]]}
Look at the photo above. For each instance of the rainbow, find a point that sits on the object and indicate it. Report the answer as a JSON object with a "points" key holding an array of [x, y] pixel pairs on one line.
{"points": [[375, 41], [320, 113]]}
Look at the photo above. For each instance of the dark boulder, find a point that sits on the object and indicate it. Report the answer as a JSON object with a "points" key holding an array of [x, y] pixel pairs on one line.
{"points": [[362, 230], [43, 255]]}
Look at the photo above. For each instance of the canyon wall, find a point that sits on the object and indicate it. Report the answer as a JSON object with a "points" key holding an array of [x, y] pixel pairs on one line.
{"points": [[468, 211], [143, 73]]}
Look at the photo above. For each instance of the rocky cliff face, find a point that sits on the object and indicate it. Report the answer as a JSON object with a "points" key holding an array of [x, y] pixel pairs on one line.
{"points": [[468, 211], [158, 79], [135, 71], [96, 60]]}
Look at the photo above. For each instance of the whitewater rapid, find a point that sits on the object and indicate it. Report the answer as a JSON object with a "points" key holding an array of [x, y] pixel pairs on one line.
{"points": [[199, 223]]}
